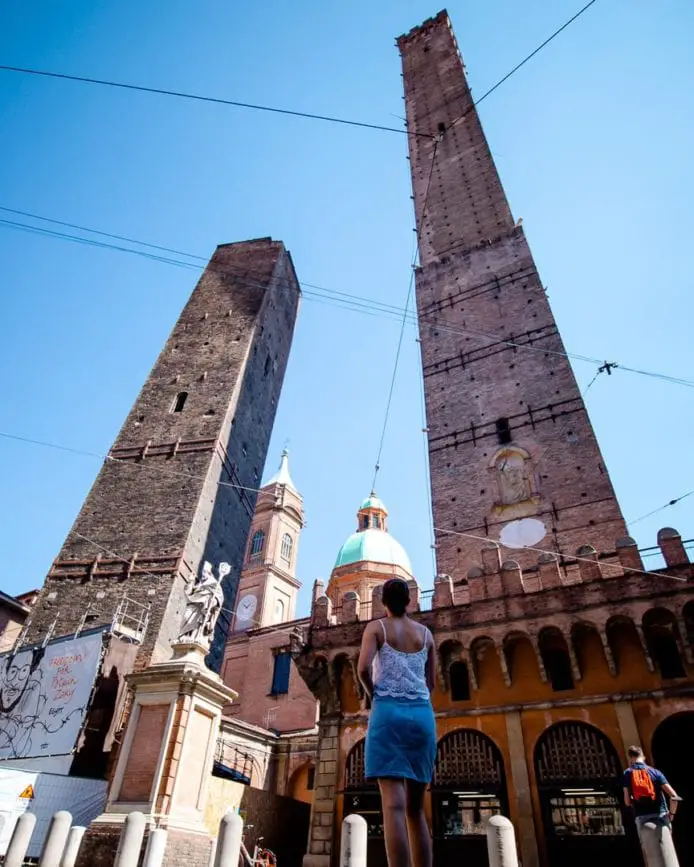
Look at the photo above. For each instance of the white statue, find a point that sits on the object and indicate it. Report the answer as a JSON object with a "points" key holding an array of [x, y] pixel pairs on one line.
{"points": [[204, 605], [514, 484]]}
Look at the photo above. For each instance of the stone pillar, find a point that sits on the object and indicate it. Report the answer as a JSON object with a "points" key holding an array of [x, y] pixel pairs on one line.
{"points": [[322, 829], [166, 759], [627, 724], [521, 785]]}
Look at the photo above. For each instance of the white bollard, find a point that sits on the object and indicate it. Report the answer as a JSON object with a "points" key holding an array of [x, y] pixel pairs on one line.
{"points": [[156, 846], [229, 840], [213, 852], [19, 842], [58, 832], [130, 845], [353, 842], [657, 845], [72, 847], [501, 842]]}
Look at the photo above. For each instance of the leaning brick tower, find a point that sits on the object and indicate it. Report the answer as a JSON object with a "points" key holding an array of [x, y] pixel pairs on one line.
{"points": [[512, 451], [178, 486]]}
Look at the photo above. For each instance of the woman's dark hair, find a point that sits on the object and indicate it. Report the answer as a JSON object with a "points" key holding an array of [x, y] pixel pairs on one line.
{"points": [[396, 596]]}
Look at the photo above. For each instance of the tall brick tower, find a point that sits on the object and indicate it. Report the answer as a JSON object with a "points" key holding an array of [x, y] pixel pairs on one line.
{"points": [[178, 487], [512, 451]]}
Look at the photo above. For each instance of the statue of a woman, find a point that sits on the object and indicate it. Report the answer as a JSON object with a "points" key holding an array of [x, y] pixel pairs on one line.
{"points": [[204, 604]]}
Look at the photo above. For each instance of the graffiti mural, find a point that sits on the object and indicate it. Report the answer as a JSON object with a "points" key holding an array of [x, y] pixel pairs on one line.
{"points": [[44, 692]]}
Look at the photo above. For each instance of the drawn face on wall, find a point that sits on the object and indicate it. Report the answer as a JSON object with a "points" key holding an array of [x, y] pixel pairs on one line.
{"points": [[14, 683]]}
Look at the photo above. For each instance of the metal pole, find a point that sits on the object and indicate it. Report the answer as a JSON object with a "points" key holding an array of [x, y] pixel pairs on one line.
{"points": [[72, 847], [54, 846], [658, 847], [19, 842], [501, 842], [128, 854], [229, 840], [156, 846], [353, 842]]}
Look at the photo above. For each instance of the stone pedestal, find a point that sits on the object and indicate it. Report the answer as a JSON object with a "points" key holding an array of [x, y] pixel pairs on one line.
{"points": [[165, 760]]}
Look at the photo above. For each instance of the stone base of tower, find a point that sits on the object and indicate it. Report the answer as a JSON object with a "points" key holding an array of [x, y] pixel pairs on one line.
{"points": [[165, 761]]}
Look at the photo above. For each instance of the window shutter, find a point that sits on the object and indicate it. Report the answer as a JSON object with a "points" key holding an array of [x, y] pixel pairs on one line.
{"points": [[280, 677]]}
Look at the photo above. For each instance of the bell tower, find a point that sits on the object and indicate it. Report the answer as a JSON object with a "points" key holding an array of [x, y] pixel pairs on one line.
{"points": [[268, 585], [512, 451]]}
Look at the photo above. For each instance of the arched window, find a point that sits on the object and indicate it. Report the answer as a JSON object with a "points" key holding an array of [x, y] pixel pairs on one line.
{"points": [[661, 633], [286, 549], [460, 681], [365, 522], [257, 545], [555, 656], [179, 401], [279, 611]]}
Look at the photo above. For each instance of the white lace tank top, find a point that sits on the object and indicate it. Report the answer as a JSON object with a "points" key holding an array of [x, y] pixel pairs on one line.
{"points": [[397, 674]]}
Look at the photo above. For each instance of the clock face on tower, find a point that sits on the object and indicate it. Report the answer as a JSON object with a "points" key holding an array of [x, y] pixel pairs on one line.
{"points": [[245, 611]]}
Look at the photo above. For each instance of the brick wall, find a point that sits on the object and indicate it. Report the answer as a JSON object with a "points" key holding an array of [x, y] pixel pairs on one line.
{"points": [[158, 505], [478, 294]]}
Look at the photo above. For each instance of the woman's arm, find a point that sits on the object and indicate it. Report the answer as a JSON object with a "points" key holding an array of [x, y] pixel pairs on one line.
{"points": [[431, 663], [369, 649]]}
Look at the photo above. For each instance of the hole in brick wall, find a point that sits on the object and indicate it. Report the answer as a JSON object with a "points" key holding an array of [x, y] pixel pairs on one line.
{"points": [[179, 402], [584, 494], [591, 522], [459, 550]]}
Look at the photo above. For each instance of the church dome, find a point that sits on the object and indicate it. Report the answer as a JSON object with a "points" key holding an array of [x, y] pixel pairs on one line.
{"points": [[377, 546], [373, 502]]}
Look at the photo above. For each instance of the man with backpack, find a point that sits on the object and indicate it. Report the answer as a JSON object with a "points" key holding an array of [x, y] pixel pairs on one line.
{"points": [[647, 791]]}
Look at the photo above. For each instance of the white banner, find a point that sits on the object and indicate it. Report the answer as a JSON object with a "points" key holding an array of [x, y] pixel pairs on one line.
{"points": [[44, 696]]}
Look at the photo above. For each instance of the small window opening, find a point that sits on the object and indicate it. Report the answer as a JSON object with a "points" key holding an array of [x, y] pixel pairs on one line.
{"points": [[280, 675], [365, 522], [460, 681], [268, 362], [311, 781], [503, 431], [442, 127], [377, 522], [179, 401]]}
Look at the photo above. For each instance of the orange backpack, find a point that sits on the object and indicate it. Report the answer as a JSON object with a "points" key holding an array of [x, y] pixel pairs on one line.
{"points": [[642, 788]]}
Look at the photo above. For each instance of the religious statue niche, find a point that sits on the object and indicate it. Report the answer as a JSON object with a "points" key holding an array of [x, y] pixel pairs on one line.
{"points": [[204, 604], [513, 475]]}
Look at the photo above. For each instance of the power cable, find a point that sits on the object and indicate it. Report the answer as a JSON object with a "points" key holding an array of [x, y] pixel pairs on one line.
{"points": [[404, 319], [348, 301], [660, 508], [212, 99]]}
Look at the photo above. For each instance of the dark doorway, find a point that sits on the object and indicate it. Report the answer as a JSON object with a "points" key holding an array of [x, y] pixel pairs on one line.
{"points": [[672, 754], [364, 799], [579, 779], [469, 786]]}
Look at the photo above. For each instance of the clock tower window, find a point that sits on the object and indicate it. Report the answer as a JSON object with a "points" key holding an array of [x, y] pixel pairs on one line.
{"points": [[257, 545], [287, 545]]}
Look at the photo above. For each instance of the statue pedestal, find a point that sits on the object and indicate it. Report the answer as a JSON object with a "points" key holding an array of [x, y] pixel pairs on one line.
{"points": [[166, 759]]}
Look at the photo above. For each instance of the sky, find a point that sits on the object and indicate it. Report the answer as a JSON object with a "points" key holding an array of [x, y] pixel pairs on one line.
{"points": [[593, 140]]}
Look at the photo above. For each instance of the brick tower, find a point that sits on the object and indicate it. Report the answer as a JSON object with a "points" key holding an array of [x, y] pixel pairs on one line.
{"points": [[512, 452], [178, 487]]}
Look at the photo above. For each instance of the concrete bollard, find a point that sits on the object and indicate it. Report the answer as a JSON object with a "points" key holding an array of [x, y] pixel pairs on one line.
{"points": [[229, 840], [501, 842], [130, 844], [72, 847], [156, 846], [54, 846], [353, 842], [19, 842], [657, 845]]}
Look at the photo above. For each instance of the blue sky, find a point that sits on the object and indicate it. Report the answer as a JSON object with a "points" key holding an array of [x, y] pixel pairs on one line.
{"points": [[593, 140]]}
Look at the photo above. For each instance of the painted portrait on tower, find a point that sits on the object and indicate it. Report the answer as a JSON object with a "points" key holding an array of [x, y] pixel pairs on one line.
{"points": [[44, 692]]}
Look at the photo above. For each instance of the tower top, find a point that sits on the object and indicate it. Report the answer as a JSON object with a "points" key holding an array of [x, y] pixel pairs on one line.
{"points": [[282, 476]]}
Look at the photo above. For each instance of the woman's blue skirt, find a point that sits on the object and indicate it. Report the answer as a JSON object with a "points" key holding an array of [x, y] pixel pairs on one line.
{"points": [[401, 740]]}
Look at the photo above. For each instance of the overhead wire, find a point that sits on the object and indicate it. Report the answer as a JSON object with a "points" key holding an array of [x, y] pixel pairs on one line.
{"points": [[160, 91], [558, 554], [661, 508]]}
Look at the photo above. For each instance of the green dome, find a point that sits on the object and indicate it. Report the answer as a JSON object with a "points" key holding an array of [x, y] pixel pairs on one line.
{"points": [[373, 502], [374, 545]]}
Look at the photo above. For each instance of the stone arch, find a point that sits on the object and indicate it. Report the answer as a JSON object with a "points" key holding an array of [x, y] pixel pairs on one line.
{"points": [[672, 754], [556, 659], [521, 659], [663, 641], [578, 775], [346, 681], [589, 651], [625, 643], [688, 618], [486, 663], [302, 782], [450, 652]]}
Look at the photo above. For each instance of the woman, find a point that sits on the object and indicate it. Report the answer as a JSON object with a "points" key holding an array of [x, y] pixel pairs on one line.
{"points": [[401, 738]]}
